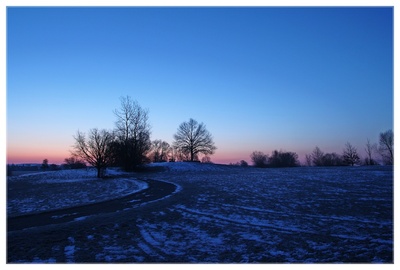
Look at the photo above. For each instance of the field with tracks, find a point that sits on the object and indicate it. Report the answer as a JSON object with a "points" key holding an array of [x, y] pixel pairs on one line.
{"points": [[184, 212]]}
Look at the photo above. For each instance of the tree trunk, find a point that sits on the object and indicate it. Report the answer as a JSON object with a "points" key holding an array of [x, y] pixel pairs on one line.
{"points": [[100, 172]]}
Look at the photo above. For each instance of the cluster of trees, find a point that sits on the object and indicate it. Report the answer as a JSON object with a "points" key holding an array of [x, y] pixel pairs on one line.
{"points": [[129, 145], [48, 167], [125, 146], [319, 158], [191, 140], [349, 157], [242, 163], [277, 159], [73, 163], [69, 163]]}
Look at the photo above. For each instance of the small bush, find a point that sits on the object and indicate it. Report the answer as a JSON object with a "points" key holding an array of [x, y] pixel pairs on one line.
{"points": [[259, 159]]}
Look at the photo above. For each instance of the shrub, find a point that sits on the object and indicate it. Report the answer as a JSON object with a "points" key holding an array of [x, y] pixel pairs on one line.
{"points": [[259, 159]]}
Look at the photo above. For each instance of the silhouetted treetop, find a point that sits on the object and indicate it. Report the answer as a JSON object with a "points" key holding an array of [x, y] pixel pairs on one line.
{"points": [[193, 138], [386, 146], [95, 149], [132, 130]]}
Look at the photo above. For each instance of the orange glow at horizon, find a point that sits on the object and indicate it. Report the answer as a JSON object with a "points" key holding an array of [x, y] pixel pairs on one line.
{"points": [[16, 156]]}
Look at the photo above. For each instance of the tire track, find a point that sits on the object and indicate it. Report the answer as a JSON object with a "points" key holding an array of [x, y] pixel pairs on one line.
{"points": [[156, 190]]}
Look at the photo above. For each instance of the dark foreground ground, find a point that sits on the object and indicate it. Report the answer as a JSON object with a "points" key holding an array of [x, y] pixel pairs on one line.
{"points": [[223, 214]]}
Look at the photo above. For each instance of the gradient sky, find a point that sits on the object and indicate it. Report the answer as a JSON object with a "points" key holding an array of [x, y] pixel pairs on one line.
{"points": [[259, 78]]}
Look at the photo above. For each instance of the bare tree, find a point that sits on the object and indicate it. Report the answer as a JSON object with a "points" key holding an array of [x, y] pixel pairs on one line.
{"points": [[308, 160], [350, 155], [317, 157], [193, 138], [95, 149], [161, 151], [133, 132], [206, 159], [178, 155], [386, 146], [370, 149]]}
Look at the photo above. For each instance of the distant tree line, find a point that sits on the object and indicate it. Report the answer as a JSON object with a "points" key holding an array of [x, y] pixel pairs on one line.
{"points": [[375, 154], [22, 167], [277, 159], [242, 163], [129, 145], [349, 156], [73, 163], [319, 158], [45, 166]]}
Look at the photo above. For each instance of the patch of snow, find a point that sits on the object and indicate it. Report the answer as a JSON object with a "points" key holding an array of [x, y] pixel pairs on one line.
{"points": [[149, 251], [239, 219], [148, 238], [112, 253], [61, 216], [38, 260], [81, 218], [69, 250]]}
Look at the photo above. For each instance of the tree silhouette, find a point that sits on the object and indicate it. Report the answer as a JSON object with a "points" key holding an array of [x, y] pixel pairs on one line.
{"points": [[350, 155], [133, 134], [259, 159], [95, 149], [317, 157], [193, 138], [161, 151], [386, 146], [283, 159], [45, 164], [332, 159], [74, 163], [370, 149], [206, 159], [243, 163]]}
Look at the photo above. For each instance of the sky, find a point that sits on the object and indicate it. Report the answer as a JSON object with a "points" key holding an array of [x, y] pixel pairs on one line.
{"points": [[259, 78]]}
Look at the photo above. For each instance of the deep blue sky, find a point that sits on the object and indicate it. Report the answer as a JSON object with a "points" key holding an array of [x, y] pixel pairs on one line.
{"points": [[259, 78]]}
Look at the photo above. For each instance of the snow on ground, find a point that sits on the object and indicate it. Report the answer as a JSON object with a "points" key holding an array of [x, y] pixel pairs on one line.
{"points": [[188, 166], [276, 215], [233, 214], [29, 193]]}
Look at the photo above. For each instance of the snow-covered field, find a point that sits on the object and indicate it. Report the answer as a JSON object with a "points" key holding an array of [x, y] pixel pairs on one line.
{"points": [[220, 214], [38, 192]]}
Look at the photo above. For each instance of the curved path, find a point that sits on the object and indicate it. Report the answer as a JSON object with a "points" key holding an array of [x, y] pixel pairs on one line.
{"points": [[155, 191]]}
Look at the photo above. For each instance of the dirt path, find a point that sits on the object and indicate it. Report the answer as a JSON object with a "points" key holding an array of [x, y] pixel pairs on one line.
{"points": [[155, 191]]}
